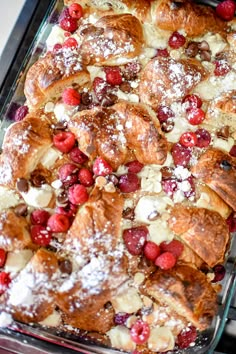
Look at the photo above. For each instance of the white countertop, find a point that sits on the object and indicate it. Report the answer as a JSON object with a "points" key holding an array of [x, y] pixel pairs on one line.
{"points": [[9, 12]]}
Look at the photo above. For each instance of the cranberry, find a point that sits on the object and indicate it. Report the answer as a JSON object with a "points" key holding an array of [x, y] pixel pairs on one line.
{"points": [[169, 186], [100, 87], [21, 112], [219, 271], [226, 10], [162, 53], [188, 139], [121, 318], [233, 151], [181, 155], [64, 141], [56, 47], [175, 247], [166, 261], [203, 138], [76, 11], [70, 210], [3, 256], [40, 235], [176, 40], [191, 192], [77, 156], [58, 223], [231, 222], [68, 174], [78, 194], [195, 116], [4, 282], [101, 167], [85, 177], [69, 24], [39, 217], [129, 183], [164, 113], [113, 76], [71, 97], [192, 101], [134, 166], [135, 239], [221, 68], [151, 250], [140, 332], [186, 337], [70, 43]]}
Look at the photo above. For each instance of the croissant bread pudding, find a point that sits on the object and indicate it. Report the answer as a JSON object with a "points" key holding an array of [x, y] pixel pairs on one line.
{"points": [[118, 176]]}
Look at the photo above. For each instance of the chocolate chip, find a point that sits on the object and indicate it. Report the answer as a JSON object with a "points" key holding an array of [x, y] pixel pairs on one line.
{"points": [[21, 210], [224, 132], [109, 100], [192, 49], [128, 213], [22, 185], [125, 87], [108, 305], [166, 172], [86, 98], [81, 107], [62, 198], [59, 126], [205, 55], [65, 266], [225, 165], [37, 180], [168, 126], [203, 46]]}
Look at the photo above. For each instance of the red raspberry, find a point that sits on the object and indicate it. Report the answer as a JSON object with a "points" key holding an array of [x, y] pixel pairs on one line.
{"points": [[64, 141], [162, 53], [190, 193], [203, 138], [68, 174], [100, 87], [169, 186], [76, 11], [164, 113], [70, 210], [186, 337], [134, 166], [39, 217], [165, 261], [113, 76], [226, 10], [219, 271], [58, 223], [77, 156], [70, 43], [176, 40], [195, 116], [192, 101], [175, 247], [71, 97], [40, 235], [21, 113], [140, 332], [135, 239], [188, 139], [3, 256], [233, 151], [68, 24], [78, 194], [4, 282], [181, 155], [221, 68], [129, 183], [101, 167], [85, 177], [151, 250]]}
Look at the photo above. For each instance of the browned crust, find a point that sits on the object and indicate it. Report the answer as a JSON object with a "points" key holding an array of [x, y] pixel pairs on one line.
{"points": [[203, 230]]}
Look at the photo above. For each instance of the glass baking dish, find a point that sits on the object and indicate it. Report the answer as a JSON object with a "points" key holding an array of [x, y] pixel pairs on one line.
{"points": [[78, 340]]}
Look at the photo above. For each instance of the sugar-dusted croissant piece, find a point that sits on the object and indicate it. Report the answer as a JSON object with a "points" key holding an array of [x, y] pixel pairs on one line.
{"points": [[50, 75], [25, 143], [113, 132], [217, 169], [30, 296], [187, 291], [166, 80], [116, 37], [203, 230]]}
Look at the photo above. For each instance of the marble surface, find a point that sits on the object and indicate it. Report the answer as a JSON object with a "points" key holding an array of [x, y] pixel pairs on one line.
{"points": [[9, 12]]}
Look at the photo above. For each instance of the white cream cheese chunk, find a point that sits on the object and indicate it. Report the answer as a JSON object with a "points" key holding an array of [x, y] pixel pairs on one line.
{"points": [[120, 338], [8, 198], [50, 157], [127, 300], [52, 320], [161, 339], [150, 205], [17, 260], [38, 197]]}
